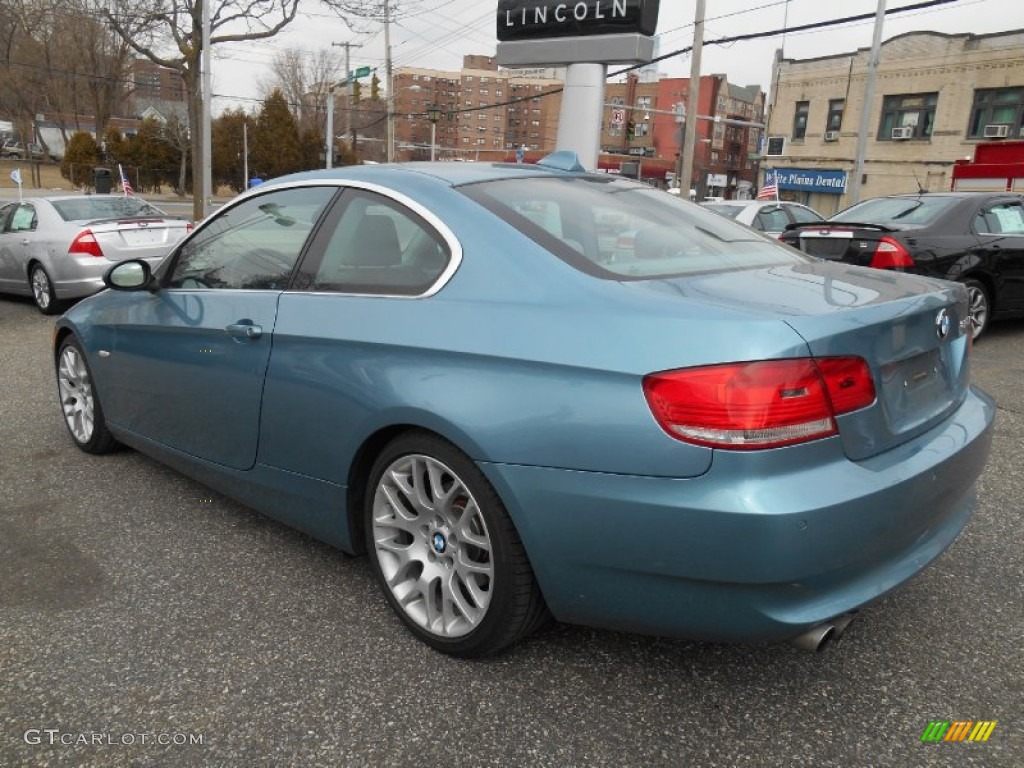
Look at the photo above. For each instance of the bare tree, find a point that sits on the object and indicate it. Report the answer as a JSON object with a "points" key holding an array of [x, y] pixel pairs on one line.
{"points": [[305, 80], [169, 33]]}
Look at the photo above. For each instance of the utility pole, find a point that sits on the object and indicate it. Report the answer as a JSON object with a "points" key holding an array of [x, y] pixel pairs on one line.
{"points": [[865, 110], [692, 101], [390, 103], [206, 161], [348, 83]]}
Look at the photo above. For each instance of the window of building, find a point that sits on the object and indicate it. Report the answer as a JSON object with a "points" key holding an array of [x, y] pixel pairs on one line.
{"points": [[997, 107], [909, 116], [800, 119], [834, 122]]}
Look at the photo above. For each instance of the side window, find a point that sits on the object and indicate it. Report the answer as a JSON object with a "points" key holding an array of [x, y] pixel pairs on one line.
{"points": [[5, 214], [1002, 219], [771, 219], [802, 215], [378, 246], [254, 245], [23, 219]]}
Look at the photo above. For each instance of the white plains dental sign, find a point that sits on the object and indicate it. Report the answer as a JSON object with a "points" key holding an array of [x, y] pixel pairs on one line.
{"points": [[535, 19]]}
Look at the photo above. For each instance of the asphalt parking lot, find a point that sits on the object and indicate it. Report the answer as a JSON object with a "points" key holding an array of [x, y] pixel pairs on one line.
{"points": [[147, 621]]}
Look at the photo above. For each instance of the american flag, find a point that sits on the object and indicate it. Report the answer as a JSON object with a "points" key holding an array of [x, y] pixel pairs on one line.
{"points": [[126, 185], [770, 190]]}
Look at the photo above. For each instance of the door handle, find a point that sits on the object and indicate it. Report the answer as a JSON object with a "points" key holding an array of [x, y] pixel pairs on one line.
{"points": [[245, 329]]}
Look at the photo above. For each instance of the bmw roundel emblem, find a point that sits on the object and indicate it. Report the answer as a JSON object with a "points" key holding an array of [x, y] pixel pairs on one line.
{"points": [[943, 324], [439, 543]]}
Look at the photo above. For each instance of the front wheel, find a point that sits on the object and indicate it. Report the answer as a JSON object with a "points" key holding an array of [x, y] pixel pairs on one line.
{"points": [[979, 307], [445, 551], [82, 411]]}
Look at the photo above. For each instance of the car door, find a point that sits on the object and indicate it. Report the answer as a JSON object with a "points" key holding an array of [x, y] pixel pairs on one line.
{"points": [[1000, 229], [342, 344], [191, 356], [18, 223]]}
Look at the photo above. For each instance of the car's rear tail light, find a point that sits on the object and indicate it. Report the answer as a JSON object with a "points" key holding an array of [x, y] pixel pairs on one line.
{"points": [[890, 254], [86, 244], [765, 404], [189, 226]]}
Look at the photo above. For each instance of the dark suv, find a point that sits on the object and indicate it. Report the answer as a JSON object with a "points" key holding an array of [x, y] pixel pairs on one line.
{"points": [[974, 238]]}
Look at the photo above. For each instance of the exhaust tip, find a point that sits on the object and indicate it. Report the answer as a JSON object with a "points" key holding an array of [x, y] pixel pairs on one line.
{"points": [[814, 639]]}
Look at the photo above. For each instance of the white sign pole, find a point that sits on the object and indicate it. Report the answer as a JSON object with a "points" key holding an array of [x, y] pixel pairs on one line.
{"points": [[579, 123]]}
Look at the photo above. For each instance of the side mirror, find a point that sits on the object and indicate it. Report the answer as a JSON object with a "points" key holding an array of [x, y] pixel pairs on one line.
{"points": [[131, 275]]}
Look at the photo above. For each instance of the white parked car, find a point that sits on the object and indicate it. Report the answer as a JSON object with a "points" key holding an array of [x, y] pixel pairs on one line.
{"points": [[768, 216]]}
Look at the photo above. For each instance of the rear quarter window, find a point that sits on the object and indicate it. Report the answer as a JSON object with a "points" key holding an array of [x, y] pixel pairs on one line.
{"points": [[619, 230]]}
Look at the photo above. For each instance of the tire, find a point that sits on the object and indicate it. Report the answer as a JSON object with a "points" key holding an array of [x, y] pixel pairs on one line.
{"points": [[979, 307], [42, 290], [79, 401], [445, 551]]}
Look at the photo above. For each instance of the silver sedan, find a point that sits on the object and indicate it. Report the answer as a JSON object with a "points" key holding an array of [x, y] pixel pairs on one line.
{"points": [[57, 248]]}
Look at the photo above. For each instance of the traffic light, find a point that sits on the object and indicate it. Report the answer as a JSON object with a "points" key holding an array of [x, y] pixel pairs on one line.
{"points": [[357, 92], [631, 130], [375, 87]]}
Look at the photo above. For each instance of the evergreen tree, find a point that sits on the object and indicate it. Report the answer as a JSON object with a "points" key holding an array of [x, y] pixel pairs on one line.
{"points": [[228, 145], [276, 148], [81, 155]]}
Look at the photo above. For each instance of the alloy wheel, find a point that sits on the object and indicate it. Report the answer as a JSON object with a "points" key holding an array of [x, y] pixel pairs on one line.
{"points": [[76, 394], [42, 292], [977, 309], [433, 547]]}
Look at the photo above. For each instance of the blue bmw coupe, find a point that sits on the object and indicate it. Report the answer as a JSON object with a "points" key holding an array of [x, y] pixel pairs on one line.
{"points": [[529, 391]]}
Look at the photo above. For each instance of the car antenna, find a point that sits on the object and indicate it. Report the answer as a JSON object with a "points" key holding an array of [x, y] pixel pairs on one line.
{"points": [[920, 190]]}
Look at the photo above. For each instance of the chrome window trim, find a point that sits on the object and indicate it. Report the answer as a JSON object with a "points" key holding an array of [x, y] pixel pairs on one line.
{"points": [[454, 246]]}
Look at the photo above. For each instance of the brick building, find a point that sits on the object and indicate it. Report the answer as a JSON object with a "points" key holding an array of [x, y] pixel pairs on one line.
{"points": [[936, 96], [475, 120], [725, 161]]}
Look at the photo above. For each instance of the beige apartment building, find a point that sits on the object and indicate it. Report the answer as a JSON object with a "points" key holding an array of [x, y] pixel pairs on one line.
{"points": [[936, 96]]}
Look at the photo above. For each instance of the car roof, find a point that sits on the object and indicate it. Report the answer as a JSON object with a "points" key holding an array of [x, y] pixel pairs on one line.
{"points": [[450, 173]]}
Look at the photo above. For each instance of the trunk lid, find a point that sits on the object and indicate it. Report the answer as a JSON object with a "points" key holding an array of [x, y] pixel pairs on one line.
{"points": [[911, 330], [137, 238]]}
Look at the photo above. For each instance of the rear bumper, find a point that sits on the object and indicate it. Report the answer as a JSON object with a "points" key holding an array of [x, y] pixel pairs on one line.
{"points": [[761, 547]]}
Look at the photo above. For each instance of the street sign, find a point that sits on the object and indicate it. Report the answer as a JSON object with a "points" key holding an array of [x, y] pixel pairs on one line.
{"points": [[618, 117], [361, 72]]}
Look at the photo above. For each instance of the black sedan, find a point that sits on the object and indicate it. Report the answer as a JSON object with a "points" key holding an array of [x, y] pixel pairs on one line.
{"points": [[973, 238]]}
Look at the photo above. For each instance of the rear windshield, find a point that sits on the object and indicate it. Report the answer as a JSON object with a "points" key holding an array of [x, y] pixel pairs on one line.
{"points": [[897, 211], [617, 229], [731, 211], [91, 208]]}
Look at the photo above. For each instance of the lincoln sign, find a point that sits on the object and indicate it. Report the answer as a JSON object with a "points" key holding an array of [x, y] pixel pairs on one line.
{"points": [[538, 19]]}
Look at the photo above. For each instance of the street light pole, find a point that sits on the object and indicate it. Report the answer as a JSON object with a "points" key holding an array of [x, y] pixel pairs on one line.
{"points": [[433, 115]]}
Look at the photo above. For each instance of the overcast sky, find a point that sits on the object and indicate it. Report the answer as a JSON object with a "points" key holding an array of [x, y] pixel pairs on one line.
{"points": [[437, 33]]}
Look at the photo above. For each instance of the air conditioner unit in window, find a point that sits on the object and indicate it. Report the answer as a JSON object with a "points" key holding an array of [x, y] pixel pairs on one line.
{"points": [[905, 132], [831, 135], [997, 131]]}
